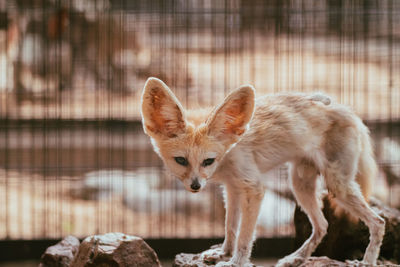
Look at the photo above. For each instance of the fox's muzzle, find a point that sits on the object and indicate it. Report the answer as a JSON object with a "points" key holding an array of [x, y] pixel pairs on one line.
{"points": [[195, 185]]}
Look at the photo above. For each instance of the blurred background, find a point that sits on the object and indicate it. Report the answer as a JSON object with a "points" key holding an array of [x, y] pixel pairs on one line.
{"points": [[73, 155]]}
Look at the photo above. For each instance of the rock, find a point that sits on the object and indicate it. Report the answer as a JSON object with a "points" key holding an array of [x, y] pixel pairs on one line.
{"points": [[322, 262], [115, 250], [61, 254], [347, 239], [325, 261], [192, 260], [189, 260]]}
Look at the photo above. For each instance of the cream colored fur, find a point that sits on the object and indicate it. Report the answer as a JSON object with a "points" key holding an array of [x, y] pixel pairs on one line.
{"points": [[248, 137]]}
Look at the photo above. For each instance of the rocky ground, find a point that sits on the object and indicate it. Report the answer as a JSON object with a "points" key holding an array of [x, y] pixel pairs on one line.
{"points": [[120, 250]]}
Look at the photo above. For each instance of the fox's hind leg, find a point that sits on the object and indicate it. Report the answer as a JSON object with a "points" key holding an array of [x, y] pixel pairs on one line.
{"points": [[344, 153], [303, 179], [348, 196]]}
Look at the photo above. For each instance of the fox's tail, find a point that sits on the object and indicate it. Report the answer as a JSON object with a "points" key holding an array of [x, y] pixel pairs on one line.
{"points": [[321, 98]]}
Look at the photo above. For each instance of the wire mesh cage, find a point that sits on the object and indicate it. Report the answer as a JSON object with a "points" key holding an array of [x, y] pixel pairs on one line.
{"points": [[73, 155]]}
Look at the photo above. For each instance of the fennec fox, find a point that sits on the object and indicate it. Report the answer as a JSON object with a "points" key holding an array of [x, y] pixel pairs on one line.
{"points": [[242, 138]]}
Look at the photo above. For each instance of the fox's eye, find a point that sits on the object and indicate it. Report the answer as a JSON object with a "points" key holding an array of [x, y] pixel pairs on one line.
{"points": [[181, 161], [208, 162]]}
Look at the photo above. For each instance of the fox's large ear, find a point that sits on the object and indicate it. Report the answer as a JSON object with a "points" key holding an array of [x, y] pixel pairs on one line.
{"points": [[162, 114], [229, 120]]}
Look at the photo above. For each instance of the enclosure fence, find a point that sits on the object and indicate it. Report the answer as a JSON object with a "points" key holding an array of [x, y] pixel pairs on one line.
{"points": [[73, 155]]}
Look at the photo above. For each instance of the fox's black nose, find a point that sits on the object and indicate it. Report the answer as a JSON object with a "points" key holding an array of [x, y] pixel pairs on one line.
{"points": [[195, 185]]}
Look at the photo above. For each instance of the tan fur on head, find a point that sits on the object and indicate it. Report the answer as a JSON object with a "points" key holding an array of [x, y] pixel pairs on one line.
{"points": [[195, 135]]}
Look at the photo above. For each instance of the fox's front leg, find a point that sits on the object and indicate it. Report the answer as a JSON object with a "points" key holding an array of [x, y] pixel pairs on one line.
{"points": [[250, 202], [231, 225]]}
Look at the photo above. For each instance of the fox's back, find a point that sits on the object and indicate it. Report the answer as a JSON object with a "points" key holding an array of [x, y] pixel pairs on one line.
{"points": [[285, 126]]}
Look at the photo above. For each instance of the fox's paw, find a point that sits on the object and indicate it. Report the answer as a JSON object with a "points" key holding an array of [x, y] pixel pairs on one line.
{"points": [[214, 254], [290, 261]]}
